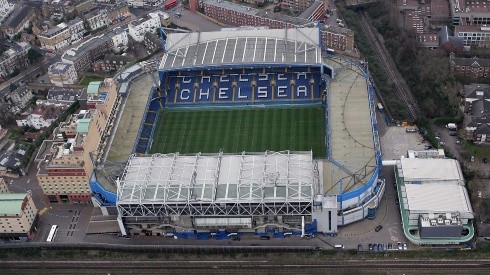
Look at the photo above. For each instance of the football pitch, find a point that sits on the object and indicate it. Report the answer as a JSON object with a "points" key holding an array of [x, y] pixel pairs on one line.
{"points": [[238, 130]]}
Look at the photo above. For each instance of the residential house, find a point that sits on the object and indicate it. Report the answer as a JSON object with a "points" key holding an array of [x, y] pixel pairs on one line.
{"points": [[20, 98], [471, 67], [19, 216], [119, 39], [41, 117], [138, 28], [14, 58], [477, 111], [62, 35], [61, 74], [89, 51]]}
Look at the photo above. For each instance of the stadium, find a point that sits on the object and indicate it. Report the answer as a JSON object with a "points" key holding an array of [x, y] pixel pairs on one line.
{"points": [[252, 130]]}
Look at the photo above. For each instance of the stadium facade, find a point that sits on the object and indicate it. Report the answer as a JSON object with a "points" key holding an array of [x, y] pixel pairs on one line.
{"points": [[261, 192]]}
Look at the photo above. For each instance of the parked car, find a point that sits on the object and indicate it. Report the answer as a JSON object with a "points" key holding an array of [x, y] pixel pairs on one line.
{"points": [[396, 201], [359, 248], [400, 247], [265, 237], [378, 228], [370, 247], [405, 246]]}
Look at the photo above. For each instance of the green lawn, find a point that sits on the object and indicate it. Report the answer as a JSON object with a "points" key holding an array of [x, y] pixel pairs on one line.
{"points": [[89, 78], [237, 130]]}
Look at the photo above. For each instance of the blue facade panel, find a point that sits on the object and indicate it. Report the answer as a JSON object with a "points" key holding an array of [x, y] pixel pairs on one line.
{"points": [[242, 86]]}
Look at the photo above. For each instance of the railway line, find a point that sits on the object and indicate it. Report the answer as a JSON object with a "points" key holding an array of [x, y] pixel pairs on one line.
{"points": [[401, 88], [420, 266]]}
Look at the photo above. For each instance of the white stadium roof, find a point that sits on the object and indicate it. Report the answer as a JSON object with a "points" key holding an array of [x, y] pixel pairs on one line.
{"points": [[437, 198], [260, 177], [242, 46]]}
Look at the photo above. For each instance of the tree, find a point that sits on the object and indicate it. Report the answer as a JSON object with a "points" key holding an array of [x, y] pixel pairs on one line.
{"points": [[33, 55]]}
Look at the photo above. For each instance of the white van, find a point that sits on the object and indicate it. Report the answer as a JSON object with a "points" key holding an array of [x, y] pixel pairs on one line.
{"points": [[339, 246]]}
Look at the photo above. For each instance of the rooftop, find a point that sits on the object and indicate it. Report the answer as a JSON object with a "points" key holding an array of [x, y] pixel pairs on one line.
{"points": [[59, 68], [60, 27], [94, 42], [64, 94], [254, 177], [429, 170], [93, 87], [261, 46], [470, 6], [17, 16], [11, 203], [437, 198], [474, 61]]}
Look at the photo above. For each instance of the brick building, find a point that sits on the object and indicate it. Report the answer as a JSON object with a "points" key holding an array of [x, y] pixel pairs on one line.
{"points": [[471, 67], [239, 15], [88, 52]]}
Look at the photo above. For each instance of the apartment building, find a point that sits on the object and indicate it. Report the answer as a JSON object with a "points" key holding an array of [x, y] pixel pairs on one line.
{"points": [[119, 39], [138, 28], [66, 166], [14, 58], [112, 62], [474, 35], [18, 215], [5, 9], [62, 35], [238, 15], [471, 67], [61, 74], [85, 54], [470, 12], [96, 19]]}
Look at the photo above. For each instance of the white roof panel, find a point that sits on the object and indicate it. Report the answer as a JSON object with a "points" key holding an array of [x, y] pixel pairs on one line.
{"points": [[438, 198]]}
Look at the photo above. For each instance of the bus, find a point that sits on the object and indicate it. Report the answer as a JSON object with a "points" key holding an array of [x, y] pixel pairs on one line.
{"points": [[330, 51], [52, 233], [170, 4], [380, 107]]}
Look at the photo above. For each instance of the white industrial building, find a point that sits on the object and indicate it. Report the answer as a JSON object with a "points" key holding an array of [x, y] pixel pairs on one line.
{"points": [[434, 202]]}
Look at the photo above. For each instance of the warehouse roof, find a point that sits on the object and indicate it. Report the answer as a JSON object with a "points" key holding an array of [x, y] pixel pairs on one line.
{"points": [[243, 46], [269, 176]]}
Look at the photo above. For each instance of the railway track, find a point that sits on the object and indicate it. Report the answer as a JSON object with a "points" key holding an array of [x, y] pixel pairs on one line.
{"points": [[410, 265], [401, 88]]}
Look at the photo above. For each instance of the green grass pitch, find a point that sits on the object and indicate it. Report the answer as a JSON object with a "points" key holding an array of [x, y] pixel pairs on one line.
{"points": [[237, 130]]}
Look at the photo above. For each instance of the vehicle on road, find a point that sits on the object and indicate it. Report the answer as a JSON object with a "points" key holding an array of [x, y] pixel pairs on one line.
{"points": [[339, 246], [378, 228]]}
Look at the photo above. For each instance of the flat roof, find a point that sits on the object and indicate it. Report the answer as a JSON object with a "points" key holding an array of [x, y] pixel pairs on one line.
{"points": [[254, 177], [11, 203], [424, 170], [437, 198], [242, 46]]}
